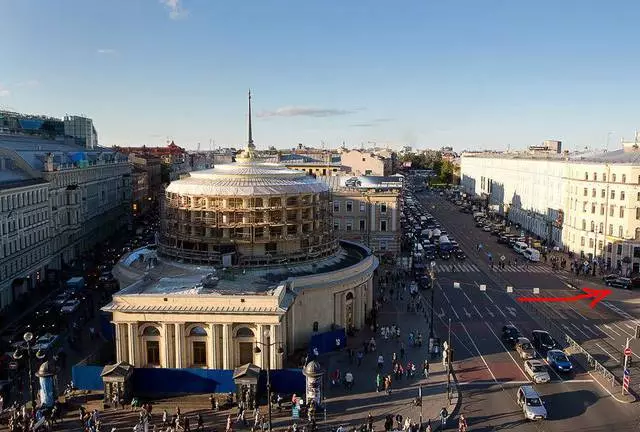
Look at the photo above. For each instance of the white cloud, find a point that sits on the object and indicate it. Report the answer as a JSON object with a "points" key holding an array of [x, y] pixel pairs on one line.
{"points": [[176, 10], [28, 83], [293, 111], [106, 51]]}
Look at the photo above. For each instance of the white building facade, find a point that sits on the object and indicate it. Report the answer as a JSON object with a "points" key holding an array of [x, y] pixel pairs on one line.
{"points": [[587, 203]]}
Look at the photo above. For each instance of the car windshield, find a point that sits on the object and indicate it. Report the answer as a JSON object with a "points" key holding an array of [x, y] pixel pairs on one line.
{"points": [[546, 339], [526, 346], [537, 368], [559, 357], [534, 402]]}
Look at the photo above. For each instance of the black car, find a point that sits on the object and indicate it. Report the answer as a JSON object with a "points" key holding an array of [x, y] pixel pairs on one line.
{"points": [[620, 282], [510, 334], [445, 255], [543, 341], [459, 254], [424, 282], [610, 278]]}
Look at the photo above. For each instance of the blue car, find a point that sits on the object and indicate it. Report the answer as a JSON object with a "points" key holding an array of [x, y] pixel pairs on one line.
{"points": [[558, 360]]}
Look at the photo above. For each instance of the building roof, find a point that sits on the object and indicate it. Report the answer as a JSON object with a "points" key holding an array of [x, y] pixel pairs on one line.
{"points": [[614, 157], [170, 278], [33, 150], [247, 179]]}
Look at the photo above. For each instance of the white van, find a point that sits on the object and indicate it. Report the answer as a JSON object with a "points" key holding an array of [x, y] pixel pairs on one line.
{"points": [[520, 247], [531, 254]]}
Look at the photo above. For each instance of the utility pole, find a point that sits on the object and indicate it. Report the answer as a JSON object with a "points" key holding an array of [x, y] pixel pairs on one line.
{"points": [[626, 377], [449, 353]]}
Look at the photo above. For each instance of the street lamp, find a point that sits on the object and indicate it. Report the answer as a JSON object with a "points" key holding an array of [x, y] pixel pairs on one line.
{"points": [[432, 273], [19, 353], [257, 350]]}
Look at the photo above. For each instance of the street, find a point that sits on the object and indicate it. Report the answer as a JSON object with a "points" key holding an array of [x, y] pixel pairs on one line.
{"points": [[488, 371]]}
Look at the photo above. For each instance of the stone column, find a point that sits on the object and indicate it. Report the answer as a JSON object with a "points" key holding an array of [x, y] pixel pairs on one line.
{"points": [[133, 343], [262, 362], [165, 357], [217, 348], [179, 345], [119, 337], [210, 347], [226, 346], [273, 349]]}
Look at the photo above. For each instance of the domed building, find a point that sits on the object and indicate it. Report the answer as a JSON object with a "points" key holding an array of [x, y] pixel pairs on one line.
{"points": [[245, 257]]}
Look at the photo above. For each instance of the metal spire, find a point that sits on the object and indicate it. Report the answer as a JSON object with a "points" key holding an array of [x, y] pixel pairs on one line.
{"points": [[250, 131]]}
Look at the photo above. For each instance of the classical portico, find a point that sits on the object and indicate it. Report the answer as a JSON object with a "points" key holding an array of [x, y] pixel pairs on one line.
{"points": [[198, 344]]}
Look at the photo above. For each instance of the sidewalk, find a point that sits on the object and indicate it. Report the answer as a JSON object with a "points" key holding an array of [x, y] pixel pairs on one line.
{"points": [[351, 407]]}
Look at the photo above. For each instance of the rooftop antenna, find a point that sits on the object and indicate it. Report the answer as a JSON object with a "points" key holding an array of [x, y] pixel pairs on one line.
{"points": [[251, 145]]}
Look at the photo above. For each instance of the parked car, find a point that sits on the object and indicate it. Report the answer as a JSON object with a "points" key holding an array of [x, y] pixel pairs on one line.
{"points": [[520, 247], [559, 361], [543, 341], [531, 403], [445, 255], [537, 371], [510, 334], [459, 254], [609, 278], [524, 349], [531, 254], [620, 282]]}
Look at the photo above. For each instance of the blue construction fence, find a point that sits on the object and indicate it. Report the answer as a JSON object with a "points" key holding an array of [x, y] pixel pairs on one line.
{"points": [[161, 381], [326, 342]]}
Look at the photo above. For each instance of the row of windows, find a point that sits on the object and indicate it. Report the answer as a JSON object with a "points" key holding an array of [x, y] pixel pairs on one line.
{"points": [[603, 177], [24, 221], [27, 198], [603, 194], [620, 233], [349, 207], [25, 241], [12, 268], [362, 225], [612, 209]]}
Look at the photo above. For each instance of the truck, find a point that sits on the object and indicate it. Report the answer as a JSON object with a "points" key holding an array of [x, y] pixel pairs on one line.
{"points": [[75, 284], [445, 244]]}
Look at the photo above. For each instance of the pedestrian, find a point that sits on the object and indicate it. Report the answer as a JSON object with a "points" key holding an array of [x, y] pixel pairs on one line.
{"points": [[378, 382], [402, 351], [380, 362], [359, 357], [212, 401], [370, 422], [428, 428], [444, 415], [165, 416], [199, 422], [462, 424]]}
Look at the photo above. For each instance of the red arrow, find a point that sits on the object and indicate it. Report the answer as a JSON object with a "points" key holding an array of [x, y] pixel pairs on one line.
{"points": [[590, 293]]}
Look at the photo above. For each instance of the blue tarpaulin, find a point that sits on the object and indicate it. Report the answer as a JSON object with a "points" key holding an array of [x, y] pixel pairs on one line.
{"points": [[326, 342]]}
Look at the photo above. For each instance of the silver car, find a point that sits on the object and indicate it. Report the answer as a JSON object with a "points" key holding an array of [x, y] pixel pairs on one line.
{"points": [[531, 403]]}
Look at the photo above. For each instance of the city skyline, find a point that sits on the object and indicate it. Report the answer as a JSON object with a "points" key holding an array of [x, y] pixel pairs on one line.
{"points": [[424, 75]]}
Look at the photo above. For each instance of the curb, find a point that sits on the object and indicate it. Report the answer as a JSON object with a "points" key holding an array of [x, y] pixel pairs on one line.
{"points": [[458, 395], [631, 398]]}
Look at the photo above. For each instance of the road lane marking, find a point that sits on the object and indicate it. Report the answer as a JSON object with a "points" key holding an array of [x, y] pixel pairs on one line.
{"points": [[624, 331], [506, 350], [491, 383], [441, 314], [578, 328], [564, 326], [586, 327], [474, 306], [581, 381], [449, 301], [512, 311], [608, 327], [608, 335], [479, 353], [489, 297], [607, 352], [465, 294], [491, 314], [466, 312], [628, 326]]}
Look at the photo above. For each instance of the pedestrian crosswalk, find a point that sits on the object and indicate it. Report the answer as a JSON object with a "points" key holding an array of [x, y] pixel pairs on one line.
{"points": [[464, 267]]}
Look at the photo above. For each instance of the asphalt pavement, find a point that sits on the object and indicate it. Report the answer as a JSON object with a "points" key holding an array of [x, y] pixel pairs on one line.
{"points": [[489, 373]]}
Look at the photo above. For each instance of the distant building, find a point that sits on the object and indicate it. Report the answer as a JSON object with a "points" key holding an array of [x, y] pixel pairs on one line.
{"points": [[88, 194], [360, 162], [146, 182], [367, 210], [319, 164], [81, 128]]}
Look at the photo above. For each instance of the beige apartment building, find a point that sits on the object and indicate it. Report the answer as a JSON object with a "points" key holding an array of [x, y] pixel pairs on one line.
{"points": [[588, 202], [367, 210], [365, 163]]}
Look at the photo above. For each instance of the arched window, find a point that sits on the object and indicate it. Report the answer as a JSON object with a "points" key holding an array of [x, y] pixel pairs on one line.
{"points": [[197, 331], [244, 332], [349, 296], [586, 175], [637, 233], [593, 226], [150, 331]]}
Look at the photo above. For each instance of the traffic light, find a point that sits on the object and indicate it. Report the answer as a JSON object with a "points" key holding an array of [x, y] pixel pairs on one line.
{"points": [[637, 331]]}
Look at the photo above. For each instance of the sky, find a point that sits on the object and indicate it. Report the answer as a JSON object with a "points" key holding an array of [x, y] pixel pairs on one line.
{"points": [[488, 74]]}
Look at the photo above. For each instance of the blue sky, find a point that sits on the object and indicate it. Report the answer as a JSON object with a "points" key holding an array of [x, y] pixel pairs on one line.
{"points": [[470, 74]]}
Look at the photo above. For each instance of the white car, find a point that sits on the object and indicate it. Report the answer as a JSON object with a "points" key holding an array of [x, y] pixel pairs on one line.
{"points": [[537, 371]]}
